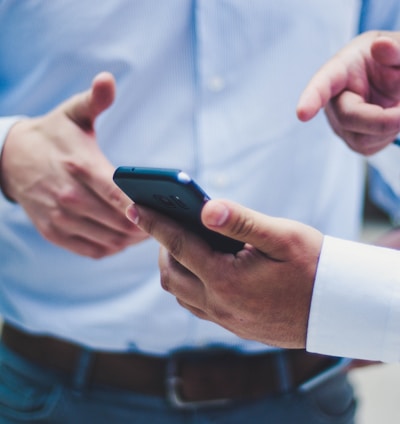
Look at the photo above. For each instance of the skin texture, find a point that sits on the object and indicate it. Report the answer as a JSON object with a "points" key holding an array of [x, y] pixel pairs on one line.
{"points": [[52, 166], [360, 91], [261, 293]]}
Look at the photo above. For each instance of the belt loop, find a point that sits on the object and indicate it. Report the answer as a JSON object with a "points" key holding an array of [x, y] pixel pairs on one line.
{"points": [[283, 372], [80, 378]]}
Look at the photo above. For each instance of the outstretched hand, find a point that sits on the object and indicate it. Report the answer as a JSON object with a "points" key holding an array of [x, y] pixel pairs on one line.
{"points": [[360, 91], [53, 167], [261, 293]]}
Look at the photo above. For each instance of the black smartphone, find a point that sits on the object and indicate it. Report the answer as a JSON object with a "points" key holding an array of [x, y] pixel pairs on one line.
{"points": [[175, 194]]}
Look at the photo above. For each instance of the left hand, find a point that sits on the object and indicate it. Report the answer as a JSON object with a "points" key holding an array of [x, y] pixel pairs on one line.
{"points": [[53, 167], [262, 293], [360, 91]]}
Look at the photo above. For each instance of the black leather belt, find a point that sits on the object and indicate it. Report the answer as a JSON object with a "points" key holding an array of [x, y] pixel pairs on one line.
{"points": [[186, 378]]}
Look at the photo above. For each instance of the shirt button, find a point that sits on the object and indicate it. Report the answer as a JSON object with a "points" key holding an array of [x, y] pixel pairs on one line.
{"points": [[216, 84]]}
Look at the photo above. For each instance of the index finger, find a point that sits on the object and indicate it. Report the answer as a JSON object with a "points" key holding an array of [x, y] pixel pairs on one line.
{"points": [[328, 82], [97, 180], [185, 246]]}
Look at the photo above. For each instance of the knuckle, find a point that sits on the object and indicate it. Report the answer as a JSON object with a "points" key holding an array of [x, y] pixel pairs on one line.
{"points": [[293, 239], [77, 168], [121, 241], [220, 314], [95, 250], [363, 144], [48, 231], [165, 280], [96, 253], [148, 224], [195, 311], [56, 219], [117, 197], [175, 246], [358, 143], [242, 227], [68, 195], [390, 127]]}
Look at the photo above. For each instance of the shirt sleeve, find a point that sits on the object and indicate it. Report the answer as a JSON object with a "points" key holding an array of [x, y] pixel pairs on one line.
{"points": [[355, 308], [5, 124]]}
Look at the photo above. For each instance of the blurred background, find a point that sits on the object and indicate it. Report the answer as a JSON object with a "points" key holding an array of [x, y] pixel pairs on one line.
{"points": [[377, 388]]}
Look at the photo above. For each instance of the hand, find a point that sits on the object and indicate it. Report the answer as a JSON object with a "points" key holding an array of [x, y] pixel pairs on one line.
{"points": [[53, 167], [261, 293], [390, 239], [360, 90]]}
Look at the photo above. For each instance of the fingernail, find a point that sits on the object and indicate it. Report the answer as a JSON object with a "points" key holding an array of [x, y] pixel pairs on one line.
{"points": [[132, 214], [218, 215]]}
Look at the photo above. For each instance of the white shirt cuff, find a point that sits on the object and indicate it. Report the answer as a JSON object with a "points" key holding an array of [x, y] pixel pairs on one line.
{"points": [[355, 308], [5, 124]]}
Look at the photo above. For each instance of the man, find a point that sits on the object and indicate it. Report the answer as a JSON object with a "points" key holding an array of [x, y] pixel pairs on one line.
{"points": [[291, 287], [209, 87]]}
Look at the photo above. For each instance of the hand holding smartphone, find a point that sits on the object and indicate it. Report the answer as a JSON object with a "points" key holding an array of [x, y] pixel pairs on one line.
{"points": [[175, 194]]}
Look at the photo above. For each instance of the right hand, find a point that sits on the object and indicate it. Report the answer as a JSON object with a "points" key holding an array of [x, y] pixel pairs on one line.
{"points": [[53, 167], [360, 91], [262, 293]]}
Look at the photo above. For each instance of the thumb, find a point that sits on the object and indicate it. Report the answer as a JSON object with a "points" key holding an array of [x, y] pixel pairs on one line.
{"points": [[265, 233], [85, 107], [233, 220], [386, 50]]}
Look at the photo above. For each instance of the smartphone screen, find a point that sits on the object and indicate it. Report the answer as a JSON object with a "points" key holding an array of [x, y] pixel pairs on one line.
{"points": [[175, 194]]}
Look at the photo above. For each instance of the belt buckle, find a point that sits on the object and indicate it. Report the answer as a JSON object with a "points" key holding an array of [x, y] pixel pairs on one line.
{"points": [[339, 366], [174, 385]]}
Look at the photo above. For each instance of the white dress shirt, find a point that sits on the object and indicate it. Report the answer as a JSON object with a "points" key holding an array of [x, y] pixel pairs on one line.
{"points": [[209, 87]]}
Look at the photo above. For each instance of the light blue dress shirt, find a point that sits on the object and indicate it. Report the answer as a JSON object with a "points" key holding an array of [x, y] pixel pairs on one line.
{"points": [[207, 86]]}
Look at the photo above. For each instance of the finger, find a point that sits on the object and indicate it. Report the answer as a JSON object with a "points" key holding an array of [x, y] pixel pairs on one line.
{"points": [[84, 108], [354, 114], [96, 198], [199, 313], [97, 232], [78, 244], [186, 247], [366, 144], [178, 281], [386, 50], [96, 175], [64, 226], [102, 197], [273, 236], [329, 81]]}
